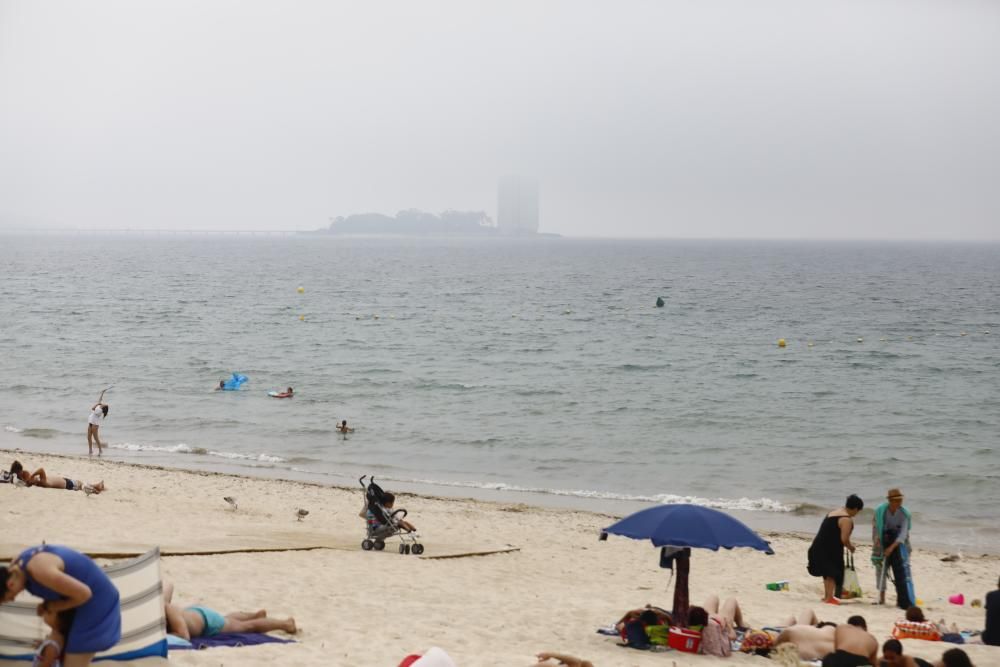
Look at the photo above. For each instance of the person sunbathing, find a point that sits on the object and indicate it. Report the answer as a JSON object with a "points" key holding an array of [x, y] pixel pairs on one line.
{"points": [[813, 640], [892, 656], [44, 480], [201, 621], [648, 615], [852, 645]]}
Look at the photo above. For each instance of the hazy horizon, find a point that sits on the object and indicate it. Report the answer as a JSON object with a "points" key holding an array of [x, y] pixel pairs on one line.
{"points": [[780, 120]]}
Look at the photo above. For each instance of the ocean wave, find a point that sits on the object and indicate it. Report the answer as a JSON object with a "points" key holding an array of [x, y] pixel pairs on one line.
{"points": [[12, 429], [183, 448], [42, 433], [746, 504]]}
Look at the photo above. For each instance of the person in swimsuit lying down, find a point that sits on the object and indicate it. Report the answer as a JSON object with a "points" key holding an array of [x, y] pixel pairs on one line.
{"points": [[852, 645], [46, 481], [200, 621], [811, 639]]}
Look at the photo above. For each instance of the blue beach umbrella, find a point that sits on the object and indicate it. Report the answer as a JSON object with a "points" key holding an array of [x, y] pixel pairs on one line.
{"points": [[686, 526]]}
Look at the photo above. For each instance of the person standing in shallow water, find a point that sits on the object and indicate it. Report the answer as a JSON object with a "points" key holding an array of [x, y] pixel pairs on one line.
{"points": [[97, 415], [826, 555]]}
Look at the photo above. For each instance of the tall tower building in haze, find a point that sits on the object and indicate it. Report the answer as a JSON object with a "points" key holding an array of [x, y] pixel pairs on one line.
{"points": [[517, 206]]}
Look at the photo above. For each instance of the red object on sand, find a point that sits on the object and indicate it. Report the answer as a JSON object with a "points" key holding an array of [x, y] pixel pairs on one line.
{"points": [[409, 660], [684, 640]]}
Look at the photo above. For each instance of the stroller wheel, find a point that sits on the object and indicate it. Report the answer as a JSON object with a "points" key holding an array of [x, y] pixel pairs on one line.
{"points": [[406, 548], [379, 545], [417, 549], [367, 545], [402, 548]]}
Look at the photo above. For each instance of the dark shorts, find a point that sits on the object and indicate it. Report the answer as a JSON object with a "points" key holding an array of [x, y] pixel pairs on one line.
{"points": [[70, 485], [842, 658]]}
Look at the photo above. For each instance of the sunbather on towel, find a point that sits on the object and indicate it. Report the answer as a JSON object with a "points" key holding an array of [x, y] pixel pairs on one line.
{"points": [[200, 621], [853, 646], [40, 478]]}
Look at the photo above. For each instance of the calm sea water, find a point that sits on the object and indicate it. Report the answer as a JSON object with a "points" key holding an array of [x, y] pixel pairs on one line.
{"points": [[532, 369]]}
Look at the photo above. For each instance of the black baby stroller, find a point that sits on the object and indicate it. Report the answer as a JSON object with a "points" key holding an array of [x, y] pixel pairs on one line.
{"points": [[383, 523]]}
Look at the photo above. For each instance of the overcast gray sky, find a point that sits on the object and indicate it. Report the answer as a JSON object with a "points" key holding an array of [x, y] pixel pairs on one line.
{"points": [[846, 119]]}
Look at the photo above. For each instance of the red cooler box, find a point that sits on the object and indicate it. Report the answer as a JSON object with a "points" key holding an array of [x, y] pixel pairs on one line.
{"points": [[685, 640]]}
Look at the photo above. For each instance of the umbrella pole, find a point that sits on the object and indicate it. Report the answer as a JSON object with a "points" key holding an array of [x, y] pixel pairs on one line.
{"points": [[682, 565]]}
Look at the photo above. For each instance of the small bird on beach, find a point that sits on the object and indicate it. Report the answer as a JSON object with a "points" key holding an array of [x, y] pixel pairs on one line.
{"points": [[232, 502], [301, 514]]}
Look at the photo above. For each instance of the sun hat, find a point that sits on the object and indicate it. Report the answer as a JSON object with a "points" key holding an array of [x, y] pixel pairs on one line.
{"points": [[894, 493]]}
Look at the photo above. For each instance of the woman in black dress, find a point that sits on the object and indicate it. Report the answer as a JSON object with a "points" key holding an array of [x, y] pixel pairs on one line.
{"points": [[826, 555]]}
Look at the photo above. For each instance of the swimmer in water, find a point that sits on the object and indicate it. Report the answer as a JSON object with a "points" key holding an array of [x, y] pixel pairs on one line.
{"points": [[343, 427]]}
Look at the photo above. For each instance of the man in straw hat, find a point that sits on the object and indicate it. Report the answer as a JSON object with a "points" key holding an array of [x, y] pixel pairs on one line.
{"points": [[891, 548]]}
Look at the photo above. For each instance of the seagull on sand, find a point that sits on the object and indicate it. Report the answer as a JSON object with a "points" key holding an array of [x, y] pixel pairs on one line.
{"points": [[301, 514], [232, 502]]}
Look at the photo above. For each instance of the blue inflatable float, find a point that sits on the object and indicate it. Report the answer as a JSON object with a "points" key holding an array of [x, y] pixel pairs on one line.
{"points": [[235, 382]]}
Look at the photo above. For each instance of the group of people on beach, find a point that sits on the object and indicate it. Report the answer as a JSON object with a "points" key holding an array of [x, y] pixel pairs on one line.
{"points": [[891, 525], [720, 629]]}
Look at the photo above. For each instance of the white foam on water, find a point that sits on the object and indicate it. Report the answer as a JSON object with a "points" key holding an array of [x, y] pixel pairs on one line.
{"points": [[745, 504], [184, 448], [13, 429]]}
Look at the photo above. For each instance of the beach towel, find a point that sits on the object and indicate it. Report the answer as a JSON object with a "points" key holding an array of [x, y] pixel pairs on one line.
{"points": [[233, 639], [143, 625]]}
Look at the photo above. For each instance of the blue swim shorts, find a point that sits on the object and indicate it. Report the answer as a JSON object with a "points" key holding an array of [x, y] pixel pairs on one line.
{"points": [[213, 620]]}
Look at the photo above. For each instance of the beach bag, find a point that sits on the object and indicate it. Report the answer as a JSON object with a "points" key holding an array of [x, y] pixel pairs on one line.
{"points": [[851, 584]]}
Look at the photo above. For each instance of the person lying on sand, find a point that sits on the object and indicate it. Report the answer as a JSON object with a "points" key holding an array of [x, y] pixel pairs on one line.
{"points": [[561, 659], [648, 615], [716, 624], [40, 478], [892, 656], [200, 621], [811, 638], [852, 645]]}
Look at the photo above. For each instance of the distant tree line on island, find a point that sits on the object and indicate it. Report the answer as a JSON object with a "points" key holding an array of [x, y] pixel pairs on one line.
{"points": [[415, 222]]}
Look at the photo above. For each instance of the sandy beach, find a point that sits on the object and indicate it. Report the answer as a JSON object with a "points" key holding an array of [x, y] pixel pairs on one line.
{"points": [[372, 609]]}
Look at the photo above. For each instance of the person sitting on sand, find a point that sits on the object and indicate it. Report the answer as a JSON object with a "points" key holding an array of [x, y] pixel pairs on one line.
{"points": [[892, 656], [388, 501], [200, 621], [40, 478], [49, 652], [561, 659], [852, 645]]}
